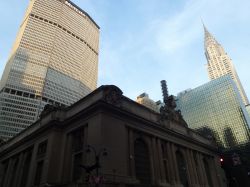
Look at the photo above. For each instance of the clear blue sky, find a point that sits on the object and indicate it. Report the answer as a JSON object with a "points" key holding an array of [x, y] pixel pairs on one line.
{"points": [[145, 41]]}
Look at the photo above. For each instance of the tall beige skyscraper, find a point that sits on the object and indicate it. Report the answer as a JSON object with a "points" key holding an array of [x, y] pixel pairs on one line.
{"points": [[219, 63], [54, 60]]}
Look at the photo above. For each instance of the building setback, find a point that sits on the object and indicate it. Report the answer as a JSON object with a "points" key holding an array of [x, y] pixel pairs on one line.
{"points": [[219, 63], [144, 148], [248, 109], [216, 109], [54, 60]]}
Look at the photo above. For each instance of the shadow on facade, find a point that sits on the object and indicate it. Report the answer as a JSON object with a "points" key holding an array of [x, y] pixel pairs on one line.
{"points": [[230, 138]]}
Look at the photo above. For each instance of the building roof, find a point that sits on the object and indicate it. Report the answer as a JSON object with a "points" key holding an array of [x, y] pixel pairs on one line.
{"points": [[110, 97], [81, 10]]}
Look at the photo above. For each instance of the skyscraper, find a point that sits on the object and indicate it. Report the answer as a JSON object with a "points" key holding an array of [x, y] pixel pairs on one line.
{"points": [[219, 63], [144, 100], [54, 60], [216, 109]]}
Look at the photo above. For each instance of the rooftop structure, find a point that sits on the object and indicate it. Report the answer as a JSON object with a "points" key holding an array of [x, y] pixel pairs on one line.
{"points": [[147, 102]]}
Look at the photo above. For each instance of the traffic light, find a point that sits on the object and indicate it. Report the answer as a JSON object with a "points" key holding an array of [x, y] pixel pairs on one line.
{"points": [[222, 162]]}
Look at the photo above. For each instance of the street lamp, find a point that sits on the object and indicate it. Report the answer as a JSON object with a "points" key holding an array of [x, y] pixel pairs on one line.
{"points": [[96, 165]]}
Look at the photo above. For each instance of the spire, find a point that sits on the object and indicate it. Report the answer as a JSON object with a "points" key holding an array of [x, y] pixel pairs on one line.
{"points": [[219, 63], [208, 38], [205, 29], [207, 34]]}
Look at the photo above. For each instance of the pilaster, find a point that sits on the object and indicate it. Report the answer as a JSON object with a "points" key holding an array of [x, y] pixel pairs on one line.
{"points": [[172, 176], [190, 170], [20, 169], [8, 173], [161, 164], [195, 174], [202, 170], [32, 168], [131, 153], [175, 167]]}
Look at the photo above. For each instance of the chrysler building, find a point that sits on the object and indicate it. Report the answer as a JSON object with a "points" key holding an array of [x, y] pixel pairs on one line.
{"points": [[219, 63]]}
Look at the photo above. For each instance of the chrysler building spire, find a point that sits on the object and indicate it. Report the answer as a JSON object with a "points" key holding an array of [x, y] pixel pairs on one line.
{"points": [[209, 39], [219, 63]]}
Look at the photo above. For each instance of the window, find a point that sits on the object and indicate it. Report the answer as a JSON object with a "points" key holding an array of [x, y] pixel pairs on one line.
{"points": [[78, 139], [182, 168], [76, 169], [142, 162], [42, 148], [77, 152]]}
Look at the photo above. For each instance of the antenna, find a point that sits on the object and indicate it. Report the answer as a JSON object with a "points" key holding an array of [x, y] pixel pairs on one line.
{"points": [[202, 21]]}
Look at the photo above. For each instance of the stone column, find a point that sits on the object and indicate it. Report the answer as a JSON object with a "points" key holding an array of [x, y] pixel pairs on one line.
{"points": [[19, 169], [8, 173], [199, 170], [156, 161], [131, 154], [195, 175], [190, 170], [172, 178], [168, 168], [161, 163], [214, 172], [32, 168], [202, 170], [151, 157], [13, 171], [67, 163], [175, 167], [1, 173]]}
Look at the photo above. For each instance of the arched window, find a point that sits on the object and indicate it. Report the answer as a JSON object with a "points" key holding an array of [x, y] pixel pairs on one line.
{"points": [[142, 162], [208, 174], [182, 168]]}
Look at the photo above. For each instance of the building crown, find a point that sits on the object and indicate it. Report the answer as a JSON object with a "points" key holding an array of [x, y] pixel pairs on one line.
{"points": [[209, 38]]}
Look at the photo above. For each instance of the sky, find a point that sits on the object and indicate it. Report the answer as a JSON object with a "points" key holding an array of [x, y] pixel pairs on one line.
{"points": [[145, 41]]}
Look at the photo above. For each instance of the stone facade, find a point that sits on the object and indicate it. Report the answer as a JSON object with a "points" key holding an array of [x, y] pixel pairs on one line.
{"points": [[142, 151]]}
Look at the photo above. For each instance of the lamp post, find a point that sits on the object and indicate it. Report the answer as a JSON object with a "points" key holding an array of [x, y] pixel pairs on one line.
{"points": [[96, 165]]}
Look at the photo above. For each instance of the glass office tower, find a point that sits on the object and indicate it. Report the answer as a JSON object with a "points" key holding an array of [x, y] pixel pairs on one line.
{"points": [[54, 60], [216, 109], [219, 63]]}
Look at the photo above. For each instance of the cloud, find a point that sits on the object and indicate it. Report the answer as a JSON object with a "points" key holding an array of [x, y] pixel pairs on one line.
{"points": [[142, 42], [181, 29], [184, 27]]}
